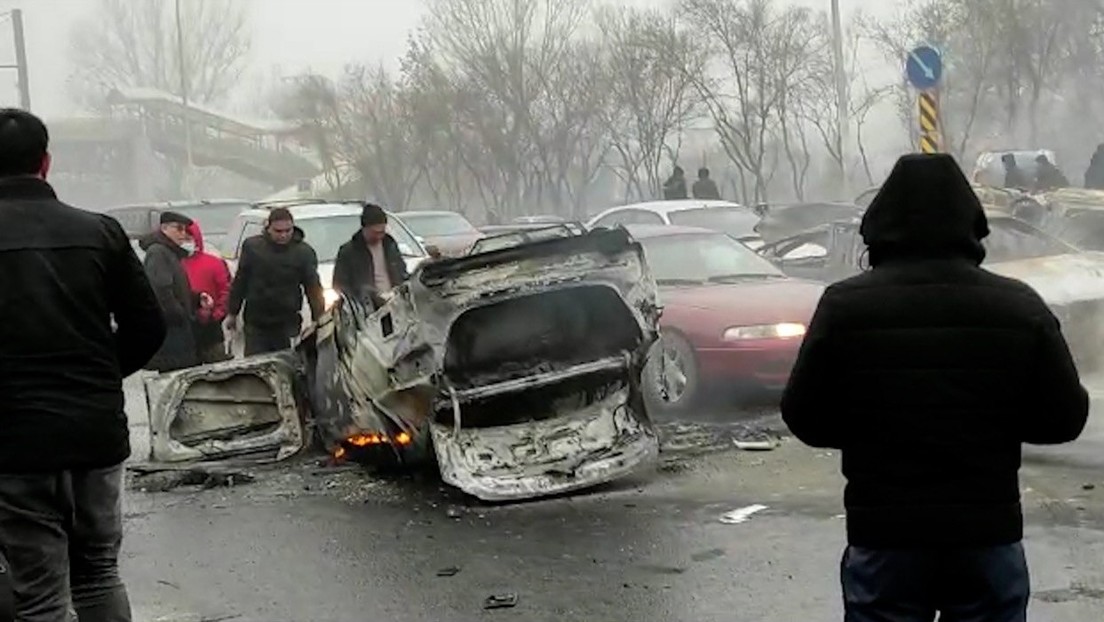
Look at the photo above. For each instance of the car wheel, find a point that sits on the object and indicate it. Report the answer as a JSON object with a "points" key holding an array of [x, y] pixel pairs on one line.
{"points": [[672, 381]]}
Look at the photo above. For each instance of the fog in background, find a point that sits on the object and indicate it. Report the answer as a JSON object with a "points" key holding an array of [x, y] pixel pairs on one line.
{"points": [[289, 37], [290, 40]]}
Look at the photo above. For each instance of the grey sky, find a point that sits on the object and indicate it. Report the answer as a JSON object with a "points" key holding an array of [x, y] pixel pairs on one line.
{"points": [[289, 36]]}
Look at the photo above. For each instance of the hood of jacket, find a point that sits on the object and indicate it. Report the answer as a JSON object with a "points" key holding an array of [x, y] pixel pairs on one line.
{"points": [[297, 236], [926, 209], [358, 240], [197, 235], [150, 239]]}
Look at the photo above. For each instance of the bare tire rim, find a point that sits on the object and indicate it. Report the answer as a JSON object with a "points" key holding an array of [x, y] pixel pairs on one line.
{"points": [[673, 377]]}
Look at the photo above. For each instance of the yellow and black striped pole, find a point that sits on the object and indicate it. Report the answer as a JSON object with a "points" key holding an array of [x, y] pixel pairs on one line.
{"points": [[930, 140]]}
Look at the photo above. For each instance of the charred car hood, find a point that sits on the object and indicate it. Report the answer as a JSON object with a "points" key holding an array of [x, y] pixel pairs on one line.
{"points": [[247, 409], [756, 302], [1059, 279]]}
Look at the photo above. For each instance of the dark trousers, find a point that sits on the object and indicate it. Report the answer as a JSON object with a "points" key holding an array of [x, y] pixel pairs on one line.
{"points": [[61, 534], [211, 343], [962, 585], [263, 340]]}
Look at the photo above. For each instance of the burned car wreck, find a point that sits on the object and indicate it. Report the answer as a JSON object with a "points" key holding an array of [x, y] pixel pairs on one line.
{"points": [[516, 370]]}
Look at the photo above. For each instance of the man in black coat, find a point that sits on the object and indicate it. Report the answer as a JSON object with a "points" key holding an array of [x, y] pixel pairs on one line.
{"points": [[78, 316], [370, 264], [1094, 176], [165, 248], [675, 186], [929, 372], [276, 269], [705, 187]]}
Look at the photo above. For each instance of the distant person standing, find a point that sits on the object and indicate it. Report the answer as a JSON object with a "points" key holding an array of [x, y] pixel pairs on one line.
{"points": [[69, 275], [704, 187], [929, 372], [277, 268], [1094, 176], [1014, 177], [166, 250], [208, 276], [675, 186], [371, 262], [1048, 177]]}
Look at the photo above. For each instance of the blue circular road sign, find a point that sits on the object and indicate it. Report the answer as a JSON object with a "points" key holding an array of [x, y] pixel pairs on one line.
{"points": [[924, 67]]}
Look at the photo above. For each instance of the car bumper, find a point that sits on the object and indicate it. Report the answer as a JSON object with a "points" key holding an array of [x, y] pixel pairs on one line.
{"points": [[765, 363]]}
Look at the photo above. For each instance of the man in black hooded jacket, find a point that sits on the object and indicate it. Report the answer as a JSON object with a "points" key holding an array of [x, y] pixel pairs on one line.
{"points": [[929, 372]]}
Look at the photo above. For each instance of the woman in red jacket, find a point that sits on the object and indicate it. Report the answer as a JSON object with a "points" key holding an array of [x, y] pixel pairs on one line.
{"points": [[209, 276]]}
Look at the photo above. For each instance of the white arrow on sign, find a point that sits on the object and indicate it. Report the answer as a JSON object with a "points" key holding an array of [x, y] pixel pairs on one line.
{"points": [[923, 67]]}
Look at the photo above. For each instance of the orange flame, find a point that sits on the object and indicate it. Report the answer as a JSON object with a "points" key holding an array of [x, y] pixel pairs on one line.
{"points": [[365, 440]]}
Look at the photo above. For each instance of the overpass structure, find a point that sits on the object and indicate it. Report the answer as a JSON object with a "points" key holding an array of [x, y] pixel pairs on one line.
{"points": [[108, 159]]}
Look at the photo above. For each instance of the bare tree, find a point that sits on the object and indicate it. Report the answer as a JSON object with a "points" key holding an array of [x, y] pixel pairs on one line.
{"points": [[312, 103], [134, 44], [571, 143], [651, 66], [492, 54], [761, 54]]}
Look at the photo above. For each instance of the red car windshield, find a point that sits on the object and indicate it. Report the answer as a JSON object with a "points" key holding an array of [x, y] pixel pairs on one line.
{"points": [[696, 258]]}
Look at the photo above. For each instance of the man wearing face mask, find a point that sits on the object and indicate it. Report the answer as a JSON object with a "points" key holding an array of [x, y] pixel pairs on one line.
{"points": [[165, 250]]}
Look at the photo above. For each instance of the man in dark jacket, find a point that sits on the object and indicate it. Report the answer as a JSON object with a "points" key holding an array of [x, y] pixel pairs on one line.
{"points": [[1094, 176], [1014, 177], [1048, 177], [165, 251], [929, 372], [371, 262], [275, 270], [69, 275], [675, 186], [705, 188]]}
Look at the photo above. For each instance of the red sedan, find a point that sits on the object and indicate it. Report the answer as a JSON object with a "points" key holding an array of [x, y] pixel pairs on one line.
{"points": [[730, 318]]}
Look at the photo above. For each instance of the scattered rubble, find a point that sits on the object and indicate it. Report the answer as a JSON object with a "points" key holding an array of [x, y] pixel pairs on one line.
{"points": [[164, 478], [500, 601], [741, 515]]}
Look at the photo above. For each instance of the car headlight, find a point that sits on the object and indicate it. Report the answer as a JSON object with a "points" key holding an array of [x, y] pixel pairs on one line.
{"points": [[784, 330], [330, 296]]}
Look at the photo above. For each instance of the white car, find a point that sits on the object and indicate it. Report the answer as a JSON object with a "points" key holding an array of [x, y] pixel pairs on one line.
{"points": [[736, 220], [326, 227]]}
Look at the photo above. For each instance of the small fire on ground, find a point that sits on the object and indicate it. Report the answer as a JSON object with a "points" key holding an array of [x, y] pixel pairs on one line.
{"points": [[368, 440]]}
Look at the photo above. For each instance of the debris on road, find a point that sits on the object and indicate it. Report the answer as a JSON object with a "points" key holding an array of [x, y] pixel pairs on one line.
{"points": [[735, 517], [754, 439], [500, 601], [454, 513], [768, 445], [451, 571], [1088, 487], [164, 478]]}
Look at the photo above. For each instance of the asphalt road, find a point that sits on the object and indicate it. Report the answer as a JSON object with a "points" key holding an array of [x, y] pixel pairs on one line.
{"points": [[307, 544]]}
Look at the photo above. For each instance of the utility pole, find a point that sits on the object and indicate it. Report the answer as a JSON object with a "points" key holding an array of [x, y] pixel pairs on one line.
{"points": [[842, 100], [184, 98], [21, 59], [20, 65]]}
